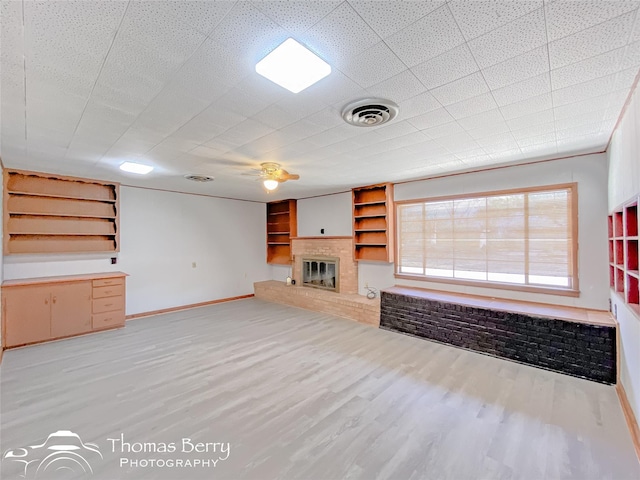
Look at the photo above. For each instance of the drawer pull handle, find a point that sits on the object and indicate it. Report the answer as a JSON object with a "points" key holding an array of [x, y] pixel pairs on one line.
{"points": [[107, 319], [108, 304]]}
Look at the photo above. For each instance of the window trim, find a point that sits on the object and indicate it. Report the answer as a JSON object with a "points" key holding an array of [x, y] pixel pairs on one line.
{"points": [[573, 291]]}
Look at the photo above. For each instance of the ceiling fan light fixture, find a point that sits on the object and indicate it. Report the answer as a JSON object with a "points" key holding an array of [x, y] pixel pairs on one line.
{"points": [[270, 184], [293, 66]]}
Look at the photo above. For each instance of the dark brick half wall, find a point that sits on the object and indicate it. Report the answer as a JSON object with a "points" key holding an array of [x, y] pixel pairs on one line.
{"points": [[581, 350]]}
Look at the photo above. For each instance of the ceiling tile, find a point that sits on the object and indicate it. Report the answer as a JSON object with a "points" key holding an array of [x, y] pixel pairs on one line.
{"points": [[546, 138], [585, 70], [585, 90], [534, 119], [386, 18], [445, 68], [364, 68], [146, 24], [513, 39], [336, 89], [585, 106], [203, 15], [462, 89], [398, 88], [530, 64], [444, 130], [488, 118], [589, 118], [489, 129], [296, 16], [626, 78], [418, 105], [427, 38], [231, 33], [632, 55], [72, 34], [592, 41], [472, 106], [340, 35], [566, 18], [517, 92], [528, 106], [481, 16], [431, 119]]}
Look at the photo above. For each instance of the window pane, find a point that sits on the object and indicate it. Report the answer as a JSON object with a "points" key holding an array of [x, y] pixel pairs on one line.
{"points": [[520, 238]]}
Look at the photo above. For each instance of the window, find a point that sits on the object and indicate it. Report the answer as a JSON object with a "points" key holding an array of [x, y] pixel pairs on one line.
{"points": [[524, 238]]}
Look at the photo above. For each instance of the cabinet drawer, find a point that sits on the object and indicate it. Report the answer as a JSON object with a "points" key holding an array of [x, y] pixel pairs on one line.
{"points": [[106, 282], [108, 304], [107, 319], [108, 291]]}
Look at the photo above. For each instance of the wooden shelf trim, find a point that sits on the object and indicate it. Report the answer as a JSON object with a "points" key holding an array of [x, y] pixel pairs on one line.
{"points": [[373, 213], [68, 197]]}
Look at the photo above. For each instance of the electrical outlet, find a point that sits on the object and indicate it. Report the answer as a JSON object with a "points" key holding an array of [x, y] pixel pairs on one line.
{"points": [[366, 284]]}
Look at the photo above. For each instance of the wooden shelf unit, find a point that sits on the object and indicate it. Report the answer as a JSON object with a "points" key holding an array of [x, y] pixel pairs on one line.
{"points": [[373, 223], [623, 253], [282, 225], [46, 213]]}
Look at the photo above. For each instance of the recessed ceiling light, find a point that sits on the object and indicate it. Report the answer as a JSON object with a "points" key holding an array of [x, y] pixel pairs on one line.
{"points": [[293, 66], [136, 168]]}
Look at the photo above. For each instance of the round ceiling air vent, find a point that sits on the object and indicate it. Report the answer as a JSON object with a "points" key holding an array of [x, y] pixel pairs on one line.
{"points": [[199, 178], [370, 112]]}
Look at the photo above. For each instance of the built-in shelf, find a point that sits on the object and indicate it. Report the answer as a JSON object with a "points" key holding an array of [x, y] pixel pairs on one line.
{"points": [[282, 224], [46, 213], [373, 223], [624, 277]]}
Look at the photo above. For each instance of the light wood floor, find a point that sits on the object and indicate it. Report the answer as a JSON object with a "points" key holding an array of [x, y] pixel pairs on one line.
{"points": [[303, 395]]}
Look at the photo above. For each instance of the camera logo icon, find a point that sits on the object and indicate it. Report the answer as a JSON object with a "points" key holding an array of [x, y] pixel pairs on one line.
{"points": [[62, 455]]}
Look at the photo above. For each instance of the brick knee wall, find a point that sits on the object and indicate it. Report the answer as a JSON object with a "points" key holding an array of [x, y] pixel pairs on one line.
{"points": [[581, 350]]}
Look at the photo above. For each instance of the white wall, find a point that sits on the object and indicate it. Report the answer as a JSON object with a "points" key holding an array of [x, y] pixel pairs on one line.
{"points": [[624, 183], [331, 212], [590, 172], [162, 234]]}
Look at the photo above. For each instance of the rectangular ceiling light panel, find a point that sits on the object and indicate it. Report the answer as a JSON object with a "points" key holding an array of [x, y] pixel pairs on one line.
{"points": [[293, 66]]}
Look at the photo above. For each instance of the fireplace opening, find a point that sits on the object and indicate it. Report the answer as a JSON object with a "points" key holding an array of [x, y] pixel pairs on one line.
{"points": [[320, 272]]}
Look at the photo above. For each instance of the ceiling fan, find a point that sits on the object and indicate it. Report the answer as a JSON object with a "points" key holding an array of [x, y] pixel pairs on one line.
{"points": [[272, 175]]}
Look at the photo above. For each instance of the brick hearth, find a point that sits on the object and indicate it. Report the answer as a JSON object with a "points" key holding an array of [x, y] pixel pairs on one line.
{"points": [[345, 303]]}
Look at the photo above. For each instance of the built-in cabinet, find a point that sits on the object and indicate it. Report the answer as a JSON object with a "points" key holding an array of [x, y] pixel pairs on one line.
{"points": [[41, 309], [373, 223], [45, 213], [623, 253], [282, 225]]}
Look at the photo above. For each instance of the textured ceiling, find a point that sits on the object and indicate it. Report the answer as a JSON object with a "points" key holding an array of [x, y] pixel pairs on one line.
{"points": [[87, 85]]}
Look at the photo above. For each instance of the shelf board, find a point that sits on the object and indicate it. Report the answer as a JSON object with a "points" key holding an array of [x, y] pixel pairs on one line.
{"points": [[363, 230], [377, 202], [278, 233], [634, 273], [36, 214], [279, 213], [278, 243], [67, 197], [57, 234], [375, 215], [371, 244], [631, 238]]}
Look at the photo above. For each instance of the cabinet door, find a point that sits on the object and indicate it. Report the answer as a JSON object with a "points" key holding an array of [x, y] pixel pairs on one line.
{"points": [[28, 313], [70, 308]]}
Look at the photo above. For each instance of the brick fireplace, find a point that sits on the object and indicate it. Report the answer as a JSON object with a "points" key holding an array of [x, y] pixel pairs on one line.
{"points": [[345, 302], [337, 247]]}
